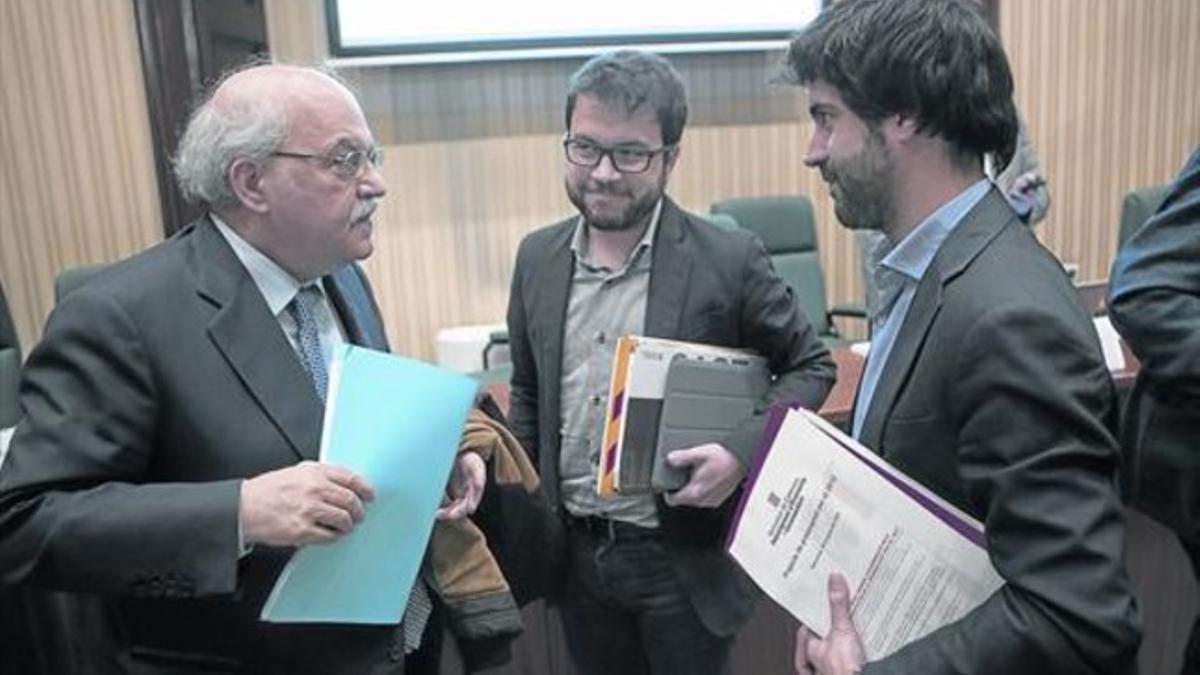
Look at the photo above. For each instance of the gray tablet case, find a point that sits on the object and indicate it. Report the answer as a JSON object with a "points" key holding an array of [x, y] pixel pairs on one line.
{"points": [[703, 401]]}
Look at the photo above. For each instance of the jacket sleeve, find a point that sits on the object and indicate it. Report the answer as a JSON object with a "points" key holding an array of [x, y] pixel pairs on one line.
{"points": [[774, 325], [76, 512], [1155, 290], [1033, 406]]}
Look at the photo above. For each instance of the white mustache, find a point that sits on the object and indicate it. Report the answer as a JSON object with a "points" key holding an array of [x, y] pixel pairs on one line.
{"points": [[364, 208]]}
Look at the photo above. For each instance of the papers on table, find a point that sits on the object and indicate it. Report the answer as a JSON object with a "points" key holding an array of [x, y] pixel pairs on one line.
{"points": [[819, 502], [396, 422], [665, 395]]}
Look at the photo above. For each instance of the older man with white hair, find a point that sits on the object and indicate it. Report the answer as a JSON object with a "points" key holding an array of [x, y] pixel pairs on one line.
{"points": [[173, 408]]}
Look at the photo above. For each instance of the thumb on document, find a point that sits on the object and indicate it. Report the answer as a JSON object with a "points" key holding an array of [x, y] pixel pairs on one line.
{"points": [[839, 603], [841, 651]]}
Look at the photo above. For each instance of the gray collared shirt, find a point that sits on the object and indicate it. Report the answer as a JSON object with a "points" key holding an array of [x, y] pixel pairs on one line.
{"points": [[603, 305]]}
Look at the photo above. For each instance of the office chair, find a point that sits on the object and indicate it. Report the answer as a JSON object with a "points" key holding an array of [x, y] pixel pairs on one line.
{"points": [[787, 228], [723, 221]]}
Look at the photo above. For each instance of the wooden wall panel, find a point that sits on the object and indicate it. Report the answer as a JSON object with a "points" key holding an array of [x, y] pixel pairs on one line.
{"points": [[473, 159], [77, 178], [1109, 92]]}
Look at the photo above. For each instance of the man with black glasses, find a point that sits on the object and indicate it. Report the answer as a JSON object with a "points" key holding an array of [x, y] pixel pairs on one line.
{"points": [[648, 588]]}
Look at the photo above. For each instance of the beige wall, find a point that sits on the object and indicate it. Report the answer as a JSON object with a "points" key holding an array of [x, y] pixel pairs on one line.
{"points": [[77, 179], [473, 163], [1109, 90]]}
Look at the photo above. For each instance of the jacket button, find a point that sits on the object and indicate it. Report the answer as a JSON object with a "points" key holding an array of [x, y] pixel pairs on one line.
{"points": [[396, 652]]}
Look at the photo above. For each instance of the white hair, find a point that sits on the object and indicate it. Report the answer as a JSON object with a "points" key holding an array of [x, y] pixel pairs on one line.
{"points": [[214, 138]]}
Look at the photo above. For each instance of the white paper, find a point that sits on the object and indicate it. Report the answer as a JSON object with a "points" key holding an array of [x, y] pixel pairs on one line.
{"points": [[1110, 343], [821, 503], [5, 437]]}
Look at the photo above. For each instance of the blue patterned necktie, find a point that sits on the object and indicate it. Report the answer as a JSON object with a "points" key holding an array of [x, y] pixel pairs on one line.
{"points": [[303, 309]]}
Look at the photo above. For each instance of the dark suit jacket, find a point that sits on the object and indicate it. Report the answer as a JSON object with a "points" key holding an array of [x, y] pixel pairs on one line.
{"points": [[996, 397], [706, 285], [155, 390], [1155, 304]]}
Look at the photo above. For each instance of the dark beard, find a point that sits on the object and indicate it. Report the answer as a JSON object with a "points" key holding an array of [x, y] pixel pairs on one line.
{"points": [[632, 217], [864, 201]]}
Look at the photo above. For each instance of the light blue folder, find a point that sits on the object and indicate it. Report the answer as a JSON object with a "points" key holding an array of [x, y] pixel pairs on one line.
{"points": [[396, 422]]}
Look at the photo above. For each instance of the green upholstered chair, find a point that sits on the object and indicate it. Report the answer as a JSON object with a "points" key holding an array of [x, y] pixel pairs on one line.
{"points": [[723, 221], [10, 366], [788, 230], [1137, 208]]}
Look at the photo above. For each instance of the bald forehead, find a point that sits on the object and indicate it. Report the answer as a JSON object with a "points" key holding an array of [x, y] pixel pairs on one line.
{"points": [[280, 84]]}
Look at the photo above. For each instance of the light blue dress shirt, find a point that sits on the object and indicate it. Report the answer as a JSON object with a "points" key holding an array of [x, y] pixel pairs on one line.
{"points": [[896, 277]]}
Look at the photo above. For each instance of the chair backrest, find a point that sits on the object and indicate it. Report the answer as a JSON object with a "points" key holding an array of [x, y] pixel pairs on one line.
{"points": [[1137, 208], [10, 366], [722, 220], [788, 230], [71, 278]]}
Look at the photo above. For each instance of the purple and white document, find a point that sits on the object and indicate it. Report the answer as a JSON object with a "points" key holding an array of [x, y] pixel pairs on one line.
{"points": [[819, 502]]}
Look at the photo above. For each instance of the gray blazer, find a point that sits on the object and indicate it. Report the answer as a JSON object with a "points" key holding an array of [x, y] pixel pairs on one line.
{"points": [[155, 390], [996, 397], [706, 285], [1155, 287]]}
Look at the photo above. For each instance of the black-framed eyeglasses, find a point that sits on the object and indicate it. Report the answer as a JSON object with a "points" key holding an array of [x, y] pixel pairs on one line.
{"points": [[347, 163], [624, 158]]}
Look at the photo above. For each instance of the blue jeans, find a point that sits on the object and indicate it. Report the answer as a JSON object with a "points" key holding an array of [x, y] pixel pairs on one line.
{"points": [[625, 613]]}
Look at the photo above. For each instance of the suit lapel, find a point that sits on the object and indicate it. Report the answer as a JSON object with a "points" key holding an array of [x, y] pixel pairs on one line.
{"points": [[669, 272], [244, 331], [353, 302], [981, 224], [924, 307], [553, 284]]}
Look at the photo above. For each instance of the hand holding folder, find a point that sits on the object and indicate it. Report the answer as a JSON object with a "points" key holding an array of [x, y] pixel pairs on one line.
{"points": [[397, 423], [669, 395]]}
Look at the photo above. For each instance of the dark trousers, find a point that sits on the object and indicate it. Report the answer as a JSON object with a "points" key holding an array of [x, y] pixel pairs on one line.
{"points": [[624, 611], [1191, 657]]}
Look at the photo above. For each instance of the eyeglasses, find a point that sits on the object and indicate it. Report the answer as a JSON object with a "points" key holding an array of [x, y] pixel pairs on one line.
{"points": [[346, 163], [625, 158]]}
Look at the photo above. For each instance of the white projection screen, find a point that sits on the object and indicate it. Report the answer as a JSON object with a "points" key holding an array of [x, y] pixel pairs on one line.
{"points": [[463, 30]]}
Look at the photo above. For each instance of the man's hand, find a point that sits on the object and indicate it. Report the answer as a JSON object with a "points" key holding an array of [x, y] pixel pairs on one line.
{"points": [[716, 473], [841, 652], [309, 503], [465, 487], [1026, 183]]}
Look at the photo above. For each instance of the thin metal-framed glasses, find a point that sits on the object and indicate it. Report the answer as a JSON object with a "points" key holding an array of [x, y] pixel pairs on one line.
{"points": [[624, 158], [347, 163]]}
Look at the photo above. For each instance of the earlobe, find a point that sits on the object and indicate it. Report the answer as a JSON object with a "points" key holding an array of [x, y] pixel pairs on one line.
{"points": [[246, 181], [904, 127]]}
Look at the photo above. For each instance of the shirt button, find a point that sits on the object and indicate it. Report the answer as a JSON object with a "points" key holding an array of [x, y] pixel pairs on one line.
{"points": [[600, 337], [596, 400]]}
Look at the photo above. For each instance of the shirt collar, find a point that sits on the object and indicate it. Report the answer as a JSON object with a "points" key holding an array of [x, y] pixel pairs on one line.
{"points": [[580, 242], [914, 254], [277, 286]]}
